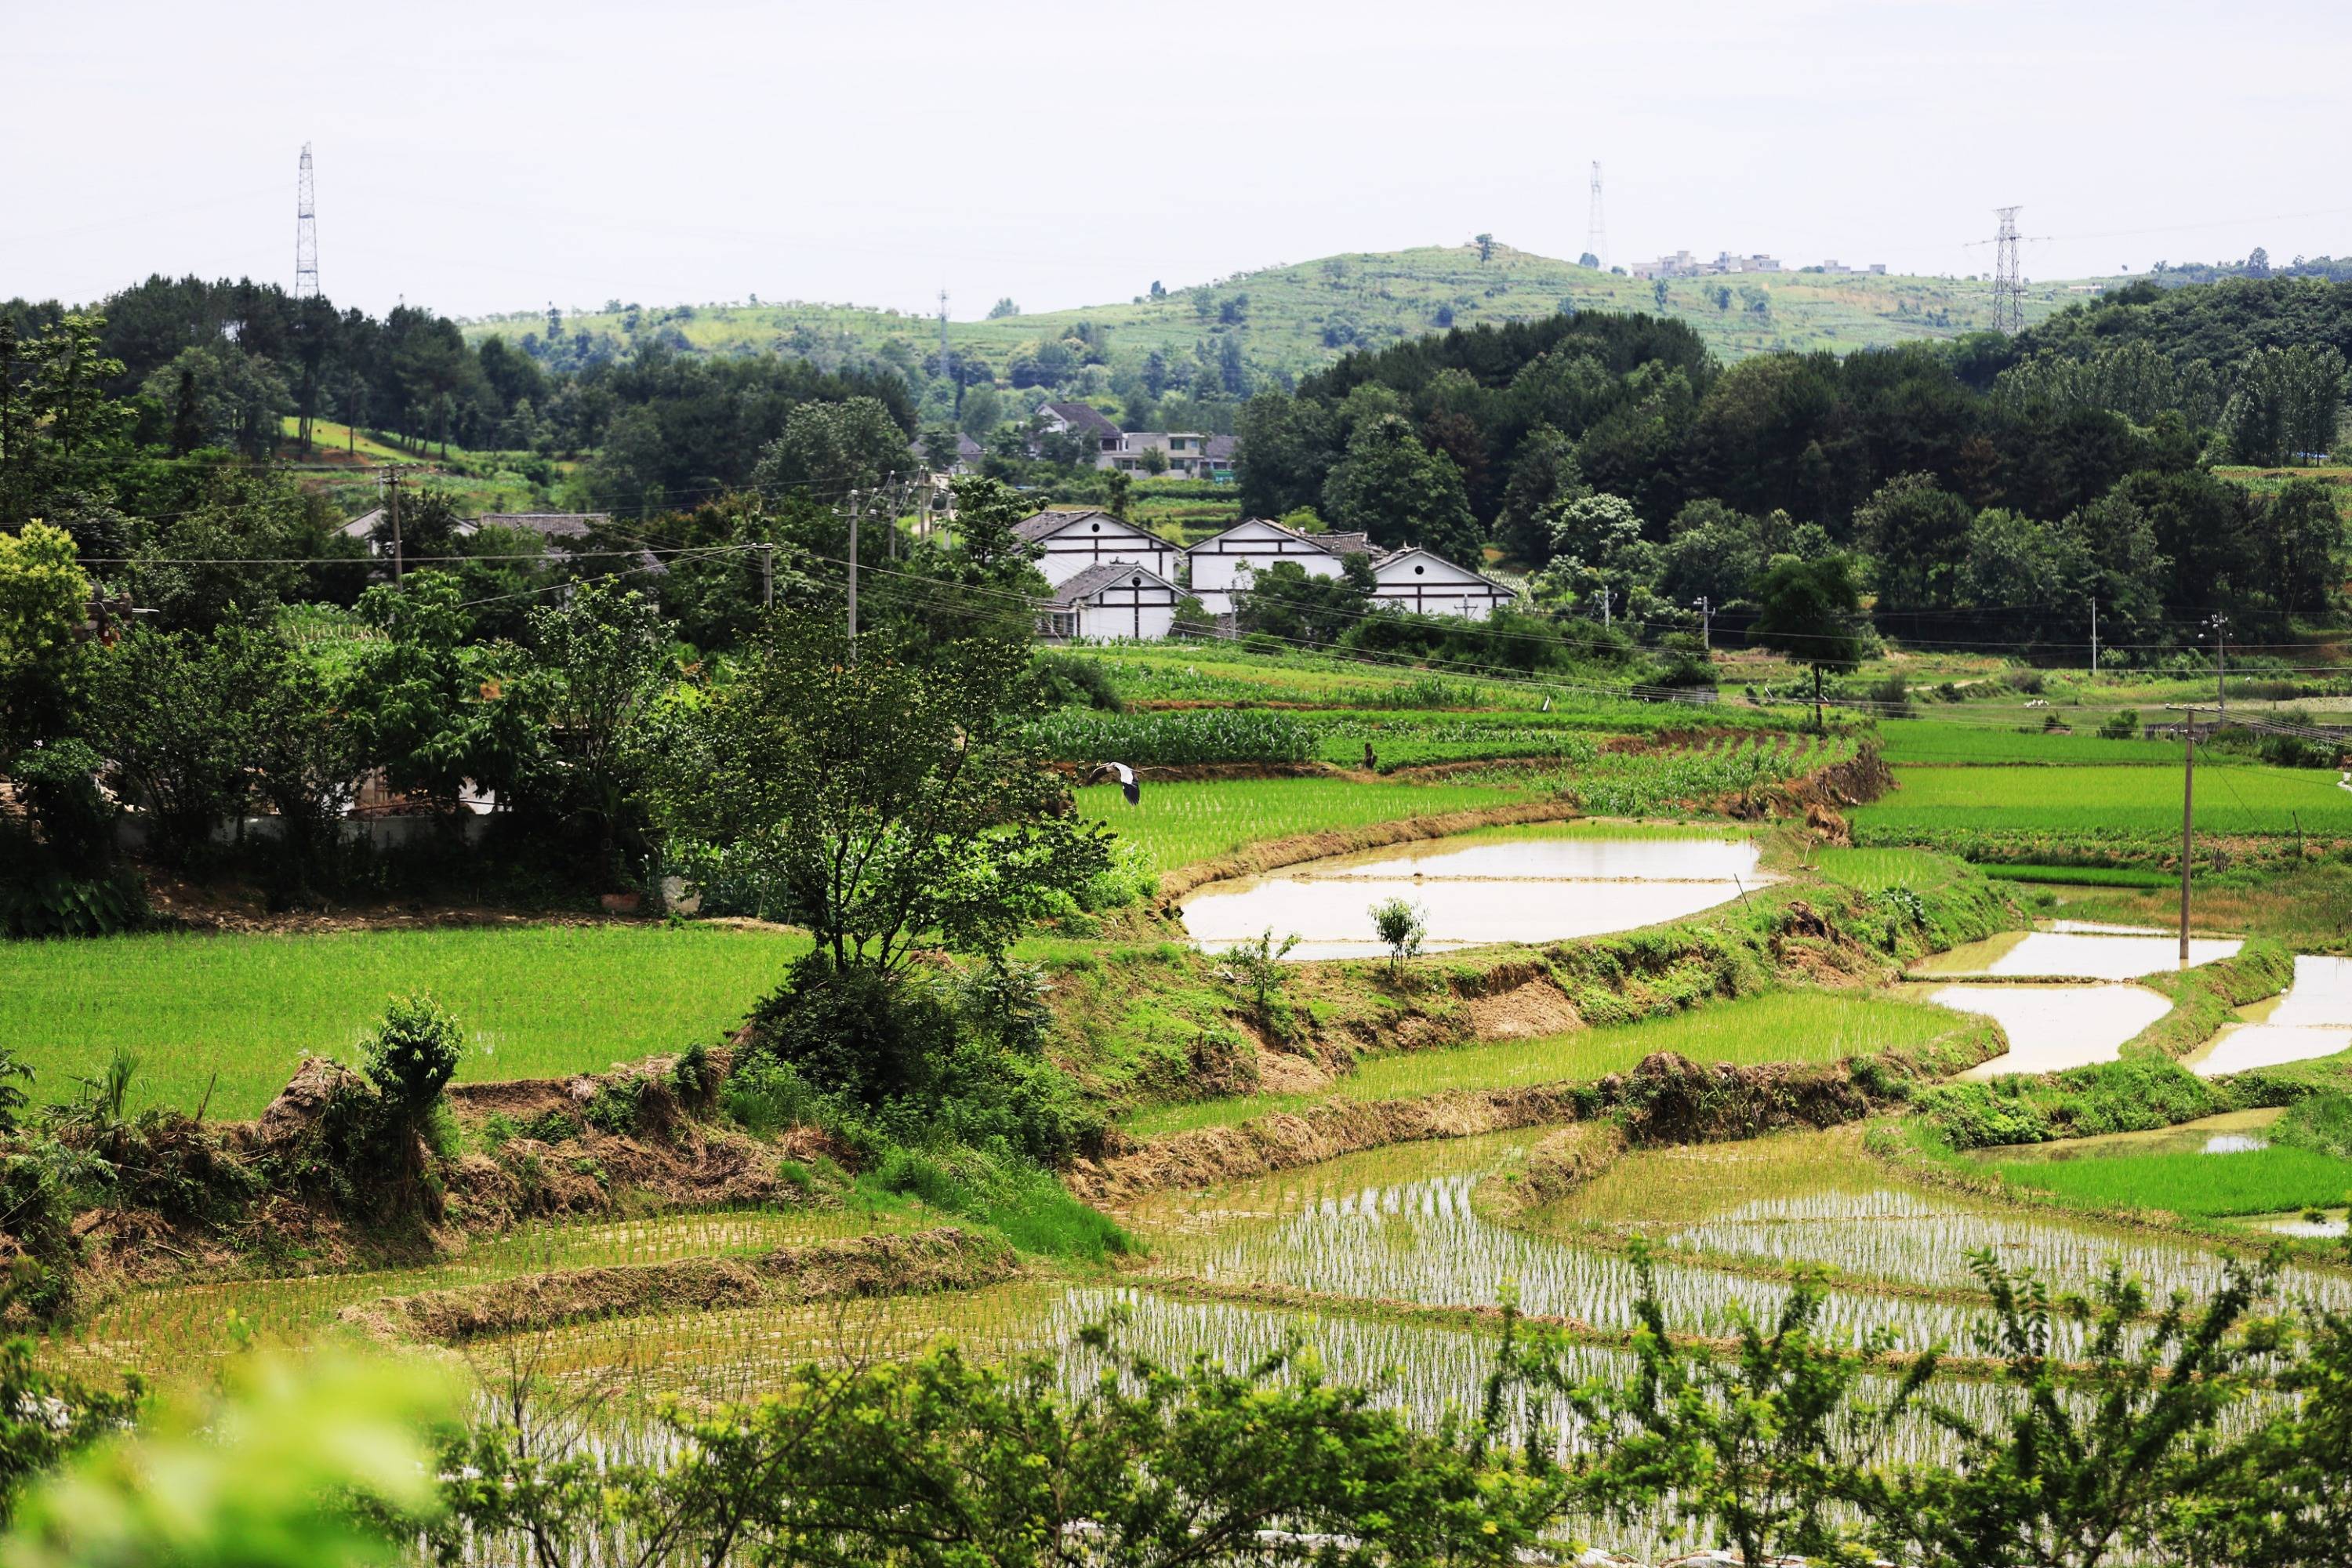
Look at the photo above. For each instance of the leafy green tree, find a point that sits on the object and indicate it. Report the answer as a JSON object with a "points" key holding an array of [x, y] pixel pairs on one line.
{"points": [[1543, 475], [1711, 552], [1810, 611], [172, 712], [44, 601], [877, 798], [981, 411], [1919, 534], [2301, 539], [1391, 486], [1001, 309], [605, 653], [832, 450], [1284, 602]]}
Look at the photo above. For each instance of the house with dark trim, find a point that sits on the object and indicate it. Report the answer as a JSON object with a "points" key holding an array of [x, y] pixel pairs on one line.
{"points": [[1074, 540]]}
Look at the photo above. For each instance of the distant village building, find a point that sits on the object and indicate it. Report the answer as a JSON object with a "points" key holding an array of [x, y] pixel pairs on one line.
{"points": [[1428, 585], [1111, 599], [1682, 264], [1074, 541], [1185, 454], [1224, 563], [567, 531]]}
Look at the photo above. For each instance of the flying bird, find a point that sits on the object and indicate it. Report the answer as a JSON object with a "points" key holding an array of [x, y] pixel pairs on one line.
{"points": [[1124, 775]]}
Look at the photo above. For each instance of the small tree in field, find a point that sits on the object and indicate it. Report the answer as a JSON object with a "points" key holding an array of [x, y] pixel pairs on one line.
{"points": [[1808, 611], [1400, 927], [1257, 965]]}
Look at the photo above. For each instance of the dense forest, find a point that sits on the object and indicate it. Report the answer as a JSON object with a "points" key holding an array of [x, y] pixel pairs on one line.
{"points": [[1991, 489]]}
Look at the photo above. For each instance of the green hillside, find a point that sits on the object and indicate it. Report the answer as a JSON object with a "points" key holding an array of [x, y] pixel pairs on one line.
{"points": [[1295, 319]]}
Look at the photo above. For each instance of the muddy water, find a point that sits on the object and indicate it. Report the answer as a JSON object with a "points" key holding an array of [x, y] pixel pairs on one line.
{"points": [[2313, 1019], [2085, 953], [2232, 1133], [2055, 1026], [1530, 890]]}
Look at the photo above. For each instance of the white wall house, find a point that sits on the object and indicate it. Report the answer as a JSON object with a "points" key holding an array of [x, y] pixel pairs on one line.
{"points": [[1075, 541], [1224, 563], [1111, 599], [1429, 585]]}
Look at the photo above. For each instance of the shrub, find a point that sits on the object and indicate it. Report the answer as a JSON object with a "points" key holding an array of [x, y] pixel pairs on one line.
{"points": [[1398, 923], [770, 1096], [2121, 725], [1893, 697], [855, 1031], [412, 1053], [1073, 681]]}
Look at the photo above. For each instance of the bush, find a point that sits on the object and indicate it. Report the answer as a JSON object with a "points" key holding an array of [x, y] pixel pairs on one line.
{"points": [[855, 1031], [1893, 698], [1073, 681], [412, 1053], [2121, 725], [769, 1095]]}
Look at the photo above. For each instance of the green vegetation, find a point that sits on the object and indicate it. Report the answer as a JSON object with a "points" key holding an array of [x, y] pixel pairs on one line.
{"points": [[2276, 1180], [1976, 741], [1797, 1025], [226, 1018], [1179, 824], [2083, 876], [2101, 804]]}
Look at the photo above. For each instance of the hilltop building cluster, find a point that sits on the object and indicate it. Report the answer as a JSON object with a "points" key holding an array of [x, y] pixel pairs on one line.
{"points": [[1682, 264], [1112, 579]]}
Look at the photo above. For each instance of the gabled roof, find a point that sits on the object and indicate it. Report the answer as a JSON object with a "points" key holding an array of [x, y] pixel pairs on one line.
{"points": [[1101, 575], [1221, 445], [1330, 544], [1083, 416], [1382, 563], [547, 524], [1046, 525]]}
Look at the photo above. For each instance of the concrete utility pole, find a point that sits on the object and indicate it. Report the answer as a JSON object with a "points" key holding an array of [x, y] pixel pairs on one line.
{"points": [[2187, 820], [391, 488], [1706, 608], [853, 579], [2220, 624], [2094, 636]]}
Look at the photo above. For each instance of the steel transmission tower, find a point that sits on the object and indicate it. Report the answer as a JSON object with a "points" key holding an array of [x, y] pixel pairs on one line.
{"points": [[944, 336], [306, 233], [2008, 287], [1596, 232]]}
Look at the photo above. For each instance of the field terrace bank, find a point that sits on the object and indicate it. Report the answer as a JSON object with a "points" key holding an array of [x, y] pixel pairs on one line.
{"points": [[1082, 552]]}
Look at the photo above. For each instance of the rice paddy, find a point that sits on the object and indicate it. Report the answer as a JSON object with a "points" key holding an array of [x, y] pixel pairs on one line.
{"points": [[222, 1021], [2266, 1180], [2103, 802], [1178, 823], [1794, 1024]]}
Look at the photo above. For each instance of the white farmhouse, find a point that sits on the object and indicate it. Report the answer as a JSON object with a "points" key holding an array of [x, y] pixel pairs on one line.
{"points": [[1111, 599], [1075, 541], [1224, 563], [1426, 585]]}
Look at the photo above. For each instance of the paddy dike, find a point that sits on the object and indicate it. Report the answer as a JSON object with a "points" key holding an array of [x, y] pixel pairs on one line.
{"points": [[945, 1258]]}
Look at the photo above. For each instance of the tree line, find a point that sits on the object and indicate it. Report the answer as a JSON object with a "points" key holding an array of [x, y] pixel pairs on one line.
{"points": [[1986, 489]]}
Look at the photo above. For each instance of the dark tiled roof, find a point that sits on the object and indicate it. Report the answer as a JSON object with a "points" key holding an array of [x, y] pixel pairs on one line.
{"points": [[1221, 446], [1084, 417], [1098, 577], [1347, 543], [547, 524], [1049, 522]]}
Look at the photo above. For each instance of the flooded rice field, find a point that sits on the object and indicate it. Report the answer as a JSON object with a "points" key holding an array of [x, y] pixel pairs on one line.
{"points": [[2055, 1026], [2313, 1018], [2075, 949], [1521, 889]]}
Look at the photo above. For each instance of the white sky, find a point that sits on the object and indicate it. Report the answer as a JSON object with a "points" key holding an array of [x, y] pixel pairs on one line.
{"points": [[486, 156]]}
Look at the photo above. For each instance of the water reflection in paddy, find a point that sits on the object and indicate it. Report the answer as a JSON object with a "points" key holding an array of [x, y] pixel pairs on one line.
{"points": [[2313, 1019], [2055, 1026], [2077, 955], [1528, 890]]}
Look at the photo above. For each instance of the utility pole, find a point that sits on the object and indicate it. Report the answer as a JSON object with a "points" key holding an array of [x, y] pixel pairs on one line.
{"points": [[2094, 636], [2219, 625], [2187, 820], [391, 488], [1596, 232], [1706, 608], [1604, 604], [853, 579]]}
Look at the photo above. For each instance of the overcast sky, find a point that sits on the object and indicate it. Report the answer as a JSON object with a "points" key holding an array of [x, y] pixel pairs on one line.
{"points": [[489, 156]]}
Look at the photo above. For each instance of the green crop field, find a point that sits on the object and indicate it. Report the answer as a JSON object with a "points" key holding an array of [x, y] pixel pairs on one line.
{"points": [[1178, 823], [1874, 870], [536, 1001], [1775, 1026], [1300, 316], [1979, 740], [2106, 802], [2275, 1180]]}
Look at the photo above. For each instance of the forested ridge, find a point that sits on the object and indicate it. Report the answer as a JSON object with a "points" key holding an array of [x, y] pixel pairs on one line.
{"points": [[1991, 487]]}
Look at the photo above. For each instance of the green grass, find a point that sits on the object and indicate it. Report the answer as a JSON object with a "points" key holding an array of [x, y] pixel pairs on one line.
{"points": [[1874, 871], [1798, 1024], [2083, 876], [2106, 802], [1977, 739], [1178, 823], [536, 1001], [2264, 1181]]}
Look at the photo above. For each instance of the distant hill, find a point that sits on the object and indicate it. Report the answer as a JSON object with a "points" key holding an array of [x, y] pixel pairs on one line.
{"points": [[1292, 319]]}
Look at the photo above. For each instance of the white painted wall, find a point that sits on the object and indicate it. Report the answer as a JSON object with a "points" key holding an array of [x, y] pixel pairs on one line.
{"points": [[1074, 549], [1222, 568]]}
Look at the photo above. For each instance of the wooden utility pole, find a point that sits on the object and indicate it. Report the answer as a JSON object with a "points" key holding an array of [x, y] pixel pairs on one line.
{"points": [[392, 486]]}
